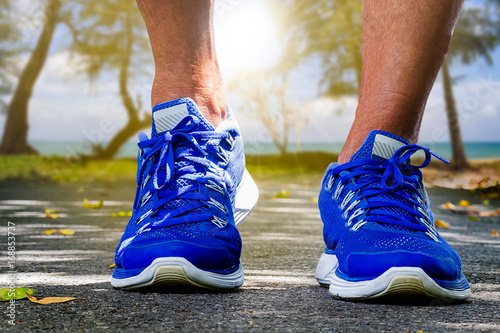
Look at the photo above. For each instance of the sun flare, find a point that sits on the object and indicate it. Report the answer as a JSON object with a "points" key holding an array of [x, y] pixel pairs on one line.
{"points": [[246, 38]]}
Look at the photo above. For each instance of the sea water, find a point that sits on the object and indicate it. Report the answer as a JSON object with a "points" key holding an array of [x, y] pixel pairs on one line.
{"points": [[474, 150]]}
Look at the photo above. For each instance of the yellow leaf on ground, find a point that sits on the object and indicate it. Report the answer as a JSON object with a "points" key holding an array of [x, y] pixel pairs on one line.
{"points": [[495, 233], [51, 211], [6, 294], [87, 204], [112, 266], [314, 199], [463, 203], [473, 218], [50, 300], [51, 216], [441, 224], [60, 231], [448, 205], [283, 194], [122, 214]]}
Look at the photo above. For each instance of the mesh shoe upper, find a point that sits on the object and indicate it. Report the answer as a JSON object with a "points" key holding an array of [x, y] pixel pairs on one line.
{"points": [[186, 183], [377, 215]]}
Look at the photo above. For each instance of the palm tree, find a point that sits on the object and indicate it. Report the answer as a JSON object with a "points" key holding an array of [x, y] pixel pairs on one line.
{"points": [[475, 36]]}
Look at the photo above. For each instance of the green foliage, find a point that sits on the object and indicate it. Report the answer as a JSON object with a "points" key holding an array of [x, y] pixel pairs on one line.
{"points": [[9, 48], [330, 30], [477, 33], [6, 294], [106, 34]]}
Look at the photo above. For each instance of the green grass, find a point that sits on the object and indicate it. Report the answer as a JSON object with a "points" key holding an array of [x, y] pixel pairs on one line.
{"points": [[293, 167], [59, 169]]}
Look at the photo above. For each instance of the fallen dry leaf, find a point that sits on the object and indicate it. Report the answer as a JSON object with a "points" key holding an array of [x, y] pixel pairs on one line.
{"points": [[495, 233], [49, 232], [87, 204], [51, 211], [465, 209], [448, 205], [314, 199], [112, 266], [50, 300], [441, 224]]}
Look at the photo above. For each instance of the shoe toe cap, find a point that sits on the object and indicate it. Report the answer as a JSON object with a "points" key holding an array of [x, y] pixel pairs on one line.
{"points": [[205, 248], [138, 256], [367, 265], [370, 254]]}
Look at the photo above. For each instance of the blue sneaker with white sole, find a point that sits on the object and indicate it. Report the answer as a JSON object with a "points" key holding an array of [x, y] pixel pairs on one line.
{"points": [[192, 192], [379, 228]]}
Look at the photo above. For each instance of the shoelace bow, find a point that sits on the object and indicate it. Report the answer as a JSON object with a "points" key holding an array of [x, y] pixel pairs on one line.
{"points": [[396, 180], [158, 162]]}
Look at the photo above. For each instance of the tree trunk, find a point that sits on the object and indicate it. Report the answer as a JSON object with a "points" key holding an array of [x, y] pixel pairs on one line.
{"points": [[122, 136], [15, 135], [459, 161], [133, 124]]}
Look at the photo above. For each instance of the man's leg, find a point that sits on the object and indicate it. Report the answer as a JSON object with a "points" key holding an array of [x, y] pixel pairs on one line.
{"points": [[181, 33], [404, 45], [378, 226], [193, 189]]}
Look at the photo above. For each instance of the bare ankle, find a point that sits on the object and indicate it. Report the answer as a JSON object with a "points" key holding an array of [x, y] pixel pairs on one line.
{"points": [[210, 98]]}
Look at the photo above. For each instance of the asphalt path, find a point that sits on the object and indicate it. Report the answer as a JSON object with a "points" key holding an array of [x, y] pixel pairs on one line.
{"points": [[282, 241]]}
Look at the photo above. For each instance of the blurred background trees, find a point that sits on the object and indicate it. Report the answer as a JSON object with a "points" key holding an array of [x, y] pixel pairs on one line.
{"points": [[108, 39], [476, 35], [107, 35], [266, 97], [333, 30], [15, 135]]}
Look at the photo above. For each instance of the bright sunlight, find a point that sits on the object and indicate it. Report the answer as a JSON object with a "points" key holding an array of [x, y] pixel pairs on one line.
{"points": [[246, 37]]}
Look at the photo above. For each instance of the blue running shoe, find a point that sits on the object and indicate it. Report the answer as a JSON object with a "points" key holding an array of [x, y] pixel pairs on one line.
{"points": [[379, 228], [192, 192]]}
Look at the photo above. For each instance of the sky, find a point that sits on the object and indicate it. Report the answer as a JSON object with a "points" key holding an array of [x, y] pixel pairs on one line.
{"points": [[64, 107]]}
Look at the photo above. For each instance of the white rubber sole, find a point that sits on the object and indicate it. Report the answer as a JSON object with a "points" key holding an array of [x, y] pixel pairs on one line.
{"points": [[178, 272], [397, 281], [246, 198]]}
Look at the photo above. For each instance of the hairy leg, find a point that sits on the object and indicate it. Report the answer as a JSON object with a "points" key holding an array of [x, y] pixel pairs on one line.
{"points": [[181, 33], [404, 46]]}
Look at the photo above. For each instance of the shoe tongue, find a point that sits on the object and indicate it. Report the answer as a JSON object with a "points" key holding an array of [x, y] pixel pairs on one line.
{"points": [[379, 145], [167, 115]]}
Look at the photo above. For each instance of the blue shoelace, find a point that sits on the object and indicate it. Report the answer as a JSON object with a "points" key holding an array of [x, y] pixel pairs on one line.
{"points": [[158, 158], [380, 191]]}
